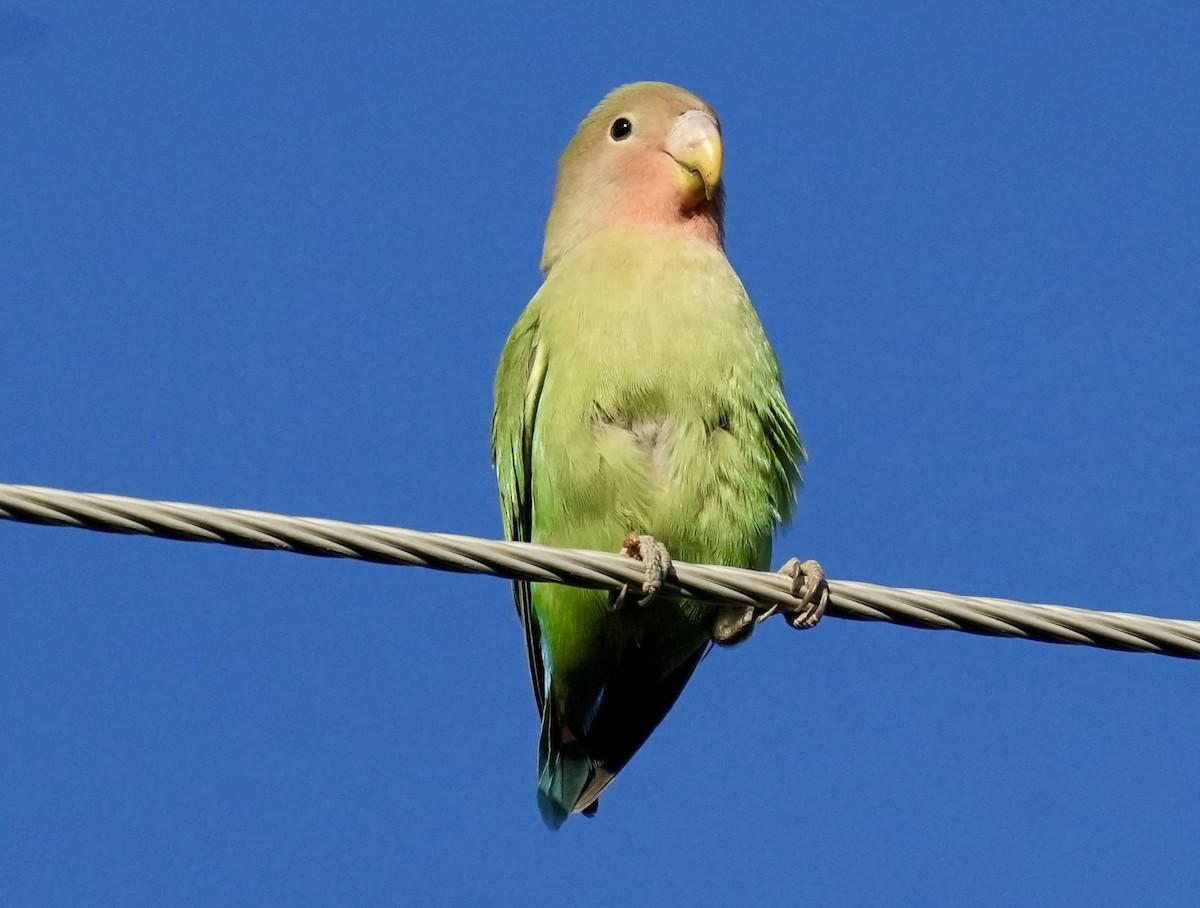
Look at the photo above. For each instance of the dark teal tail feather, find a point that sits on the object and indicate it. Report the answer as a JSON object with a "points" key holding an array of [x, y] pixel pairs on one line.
{"points": [[573, 772], [553, 813], [564, 770]]}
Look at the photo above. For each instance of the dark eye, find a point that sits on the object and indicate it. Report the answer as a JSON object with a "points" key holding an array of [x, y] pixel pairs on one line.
{"points": [[621, 129]]}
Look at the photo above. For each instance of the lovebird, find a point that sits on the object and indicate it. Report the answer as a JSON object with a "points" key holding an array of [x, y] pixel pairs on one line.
{"points": [[638, 408]]}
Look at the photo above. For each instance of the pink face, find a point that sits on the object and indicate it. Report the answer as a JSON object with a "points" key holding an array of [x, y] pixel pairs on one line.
{"points": [[648, 157]]}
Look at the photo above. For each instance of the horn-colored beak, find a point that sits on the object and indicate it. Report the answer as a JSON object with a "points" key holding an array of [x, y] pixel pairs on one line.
{"points": [[695, 143]]}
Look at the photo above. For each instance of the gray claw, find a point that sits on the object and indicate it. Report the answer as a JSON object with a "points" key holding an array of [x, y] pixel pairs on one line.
{"points": [[733, 625], [809, 585], [657, 560]]}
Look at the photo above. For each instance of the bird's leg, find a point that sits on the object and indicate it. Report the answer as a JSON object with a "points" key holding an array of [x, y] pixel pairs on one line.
{"points": [[808, 584], [654, 555], [733, 624]]}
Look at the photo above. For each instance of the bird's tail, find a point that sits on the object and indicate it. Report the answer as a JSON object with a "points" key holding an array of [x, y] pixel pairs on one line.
{"points": [[564, 770]]}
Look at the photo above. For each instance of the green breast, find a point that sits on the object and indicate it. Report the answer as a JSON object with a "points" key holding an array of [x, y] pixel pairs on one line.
{"points": [[655, 416]]}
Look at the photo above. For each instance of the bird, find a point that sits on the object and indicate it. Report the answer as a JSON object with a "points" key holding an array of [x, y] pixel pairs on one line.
{"points": [[638, 408]]}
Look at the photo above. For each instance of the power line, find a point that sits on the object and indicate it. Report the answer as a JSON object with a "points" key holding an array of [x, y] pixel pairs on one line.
{"points": [[581, 567]]}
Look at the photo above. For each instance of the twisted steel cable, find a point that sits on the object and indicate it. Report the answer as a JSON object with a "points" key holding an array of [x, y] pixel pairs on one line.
{"points": [[581, 567]]}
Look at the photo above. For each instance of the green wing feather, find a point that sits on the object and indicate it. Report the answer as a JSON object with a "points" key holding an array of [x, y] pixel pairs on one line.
{"points": [[519, 381]]}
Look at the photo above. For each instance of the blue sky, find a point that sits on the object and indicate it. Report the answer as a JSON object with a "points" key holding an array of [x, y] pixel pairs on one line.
{"points": [[266, 255]]}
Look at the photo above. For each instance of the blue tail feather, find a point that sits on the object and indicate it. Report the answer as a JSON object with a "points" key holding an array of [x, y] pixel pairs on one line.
{"points": [[564, 770]]}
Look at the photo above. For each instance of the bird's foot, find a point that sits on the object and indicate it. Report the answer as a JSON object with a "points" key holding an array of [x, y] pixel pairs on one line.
{"points": [[654, 555], [808, 584], [733, 624]]}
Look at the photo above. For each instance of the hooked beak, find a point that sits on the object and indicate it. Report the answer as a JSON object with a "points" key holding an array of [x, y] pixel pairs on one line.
{"points": [[695, 144]]}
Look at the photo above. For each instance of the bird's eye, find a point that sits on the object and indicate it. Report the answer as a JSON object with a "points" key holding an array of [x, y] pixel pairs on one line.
{"points": [[620, 129]]}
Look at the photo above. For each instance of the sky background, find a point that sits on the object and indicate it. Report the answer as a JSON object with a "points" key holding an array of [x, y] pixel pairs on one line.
{"points": [[266, 255]]}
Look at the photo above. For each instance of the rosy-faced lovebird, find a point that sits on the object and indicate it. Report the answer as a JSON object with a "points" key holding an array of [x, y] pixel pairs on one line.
{"points": [[637, 401]]}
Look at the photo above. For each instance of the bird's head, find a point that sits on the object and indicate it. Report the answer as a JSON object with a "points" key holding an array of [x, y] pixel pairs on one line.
{"points": [[648, 157]]}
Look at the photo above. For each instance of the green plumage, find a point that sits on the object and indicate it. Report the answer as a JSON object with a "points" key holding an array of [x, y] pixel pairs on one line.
{"points": [[636, 393]]}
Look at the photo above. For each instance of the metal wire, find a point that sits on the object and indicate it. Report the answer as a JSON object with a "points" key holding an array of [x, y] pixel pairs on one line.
{"points": [[580, 567]]}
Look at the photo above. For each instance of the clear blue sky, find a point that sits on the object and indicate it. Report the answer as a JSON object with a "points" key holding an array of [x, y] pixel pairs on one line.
{"points": [[266, 255]]}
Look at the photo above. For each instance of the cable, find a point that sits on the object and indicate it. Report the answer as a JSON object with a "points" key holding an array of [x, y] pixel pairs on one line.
{"points": [[580, 567]]}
